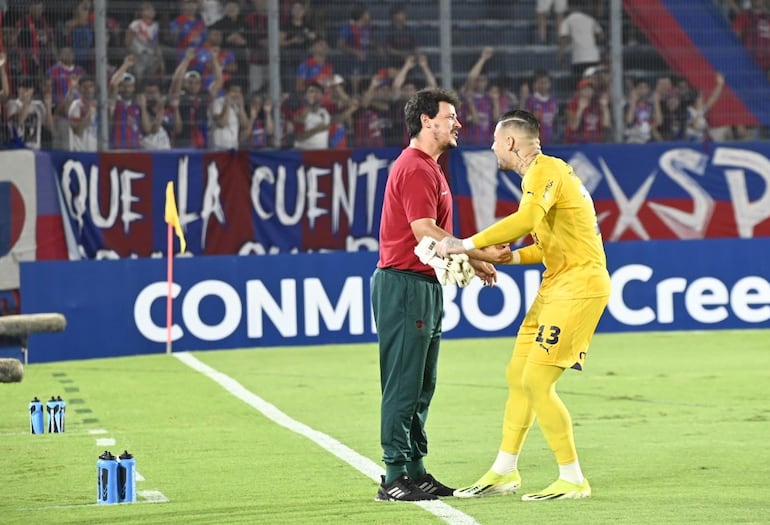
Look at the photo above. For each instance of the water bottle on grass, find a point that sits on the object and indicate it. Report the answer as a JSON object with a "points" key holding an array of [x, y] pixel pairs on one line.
{"points": [[126, 478], [36, 416], [107, 479]]}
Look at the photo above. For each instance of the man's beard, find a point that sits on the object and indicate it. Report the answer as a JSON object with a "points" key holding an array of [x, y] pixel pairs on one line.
{"points": [[452, 143]]}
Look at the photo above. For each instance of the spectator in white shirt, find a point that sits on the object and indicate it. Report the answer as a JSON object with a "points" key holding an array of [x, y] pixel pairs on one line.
{"points": [[312, 121], [157, 119], [143, 41], [582, 32], [228, 118], [27, 115], [83, 117]]}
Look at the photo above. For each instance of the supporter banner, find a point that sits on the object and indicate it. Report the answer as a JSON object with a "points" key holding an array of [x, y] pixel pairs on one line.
{"points": [[654, 191], [288, 201], [30, 216], [229, 202], [17, 215], [119, 307]]}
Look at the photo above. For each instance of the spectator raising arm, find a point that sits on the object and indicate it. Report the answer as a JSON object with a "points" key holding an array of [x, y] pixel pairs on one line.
{"points": [[5, 88], [430, 80], [117, 76], [218, 80], [177, 79], [477, 68]]}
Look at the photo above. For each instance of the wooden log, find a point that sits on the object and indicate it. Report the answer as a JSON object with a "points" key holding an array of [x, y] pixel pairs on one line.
{"points": [[24, 324], [11, 370]]}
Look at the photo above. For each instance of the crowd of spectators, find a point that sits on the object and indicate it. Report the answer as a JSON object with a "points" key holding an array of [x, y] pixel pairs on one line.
{"points": [[194, 74]]}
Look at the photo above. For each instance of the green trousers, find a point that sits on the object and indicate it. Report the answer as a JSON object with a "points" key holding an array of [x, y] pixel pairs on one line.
{"points": [[408, 308]]}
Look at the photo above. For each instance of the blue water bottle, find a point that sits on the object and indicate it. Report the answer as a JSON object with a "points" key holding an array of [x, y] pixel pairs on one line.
{"points": [[52, 408], [36, 424], [62, 410], [126, 478], [106, 479]]}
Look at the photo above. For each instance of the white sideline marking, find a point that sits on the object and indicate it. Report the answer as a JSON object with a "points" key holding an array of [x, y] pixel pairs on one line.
{"points": [[105, 442], [152, 496], [97, 431], [363, 464]]}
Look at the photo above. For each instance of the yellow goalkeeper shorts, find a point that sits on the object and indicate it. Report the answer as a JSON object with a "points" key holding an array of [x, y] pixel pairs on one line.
{"points": [[558, 332]]}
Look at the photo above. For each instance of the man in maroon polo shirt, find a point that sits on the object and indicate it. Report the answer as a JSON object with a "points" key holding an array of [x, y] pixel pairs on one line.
{"points": [[407, 298]]}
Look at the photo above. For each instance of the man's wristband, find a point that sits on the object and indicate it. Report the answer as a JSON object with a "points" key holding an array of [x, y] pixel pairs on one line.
{"points": [[468, 244]]}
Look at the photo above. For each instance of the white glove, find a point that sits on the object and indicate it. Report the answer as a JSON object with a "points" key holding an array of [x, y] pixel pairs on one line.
{"points": [[459, 270], [454, 269]]}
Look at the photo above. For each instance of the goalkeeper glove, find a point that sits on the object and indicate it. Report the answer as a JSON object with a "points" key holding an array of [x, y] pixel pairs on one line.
{"points": [[454, 269]]}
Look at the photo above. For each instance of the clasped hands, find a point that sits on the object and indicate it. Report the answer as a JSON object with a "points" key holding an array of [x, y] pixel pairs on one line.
{"points": [[453, 269], [452, 264]]}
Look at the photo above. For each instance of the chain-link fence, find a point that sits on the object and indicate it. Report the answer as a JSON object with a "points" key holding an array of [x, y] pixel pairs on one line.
{"points": [[320, 74]]}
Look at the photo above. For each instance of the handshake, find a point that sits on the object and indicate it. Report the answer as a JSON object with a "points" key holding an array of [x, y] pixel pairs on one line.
{"points": [[452, 269]]}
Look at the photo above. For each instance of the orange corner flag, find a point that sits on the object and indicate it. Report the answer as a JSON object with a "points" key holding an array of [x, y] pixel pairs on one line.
{"points": [[172, 217]]}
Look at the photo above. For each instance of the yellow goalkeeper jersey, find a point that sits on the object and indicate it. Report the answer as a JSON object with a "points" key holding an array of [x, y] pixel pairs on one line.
{"points": [[568, 235]]}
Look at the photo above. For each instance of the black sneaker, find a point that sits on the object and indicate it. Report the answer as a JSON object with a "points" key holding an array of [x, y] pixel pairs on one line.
{"points": [[402, 489], [431, 485]]}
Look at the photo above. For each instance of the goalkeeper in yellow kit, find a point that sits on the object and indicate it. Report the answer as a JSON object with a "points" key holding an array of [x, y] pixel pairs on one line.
{"points": [[559, 214]]}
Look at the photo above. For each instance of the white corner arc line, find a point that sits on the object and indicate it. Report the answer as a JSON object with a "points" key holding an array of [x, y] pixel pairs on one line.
{"points": [[363, 464]]}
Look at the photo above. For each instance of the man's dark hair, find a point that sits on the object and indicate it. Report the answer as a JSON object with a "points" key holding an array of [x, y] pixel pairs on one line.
{"points": [[26, 82], [426, 101], [149, 82], [521, 119], [230, 83]]}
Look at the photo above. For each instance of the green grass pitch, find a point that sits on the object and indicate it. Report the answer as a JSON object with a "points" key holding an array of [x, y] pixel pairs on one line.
{"points": [[670, 427]]}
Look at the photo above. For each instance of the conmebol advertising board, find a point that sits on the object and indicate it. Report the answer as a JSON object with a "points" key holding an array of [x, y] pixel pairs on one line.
{"points": [[119, 307]]}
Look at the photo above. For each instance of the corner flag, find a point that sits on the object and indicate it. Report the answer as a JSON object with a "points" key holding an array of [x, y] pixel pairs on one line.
{"points": [[172, 217]]}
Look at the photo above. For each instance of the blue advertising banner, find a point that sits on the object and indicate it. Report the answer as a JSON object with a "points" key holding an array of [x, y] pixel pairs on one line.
{"points": [[119, 307]]}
